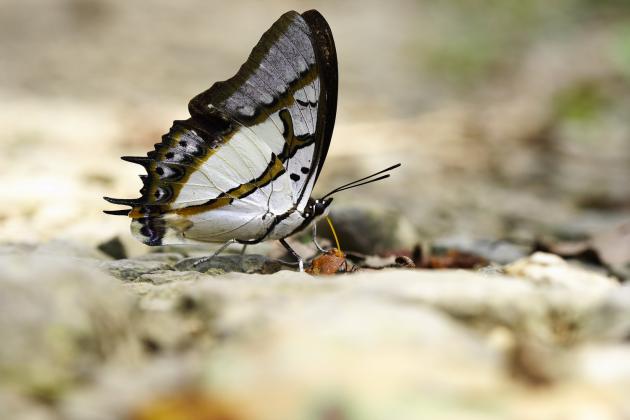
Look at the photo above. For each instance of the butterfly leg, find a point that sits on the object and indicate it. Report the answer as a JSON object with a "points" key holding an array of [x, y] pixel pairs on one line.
{"points": [[294, 254], [242, 257], [318, 246], [217, 252]]}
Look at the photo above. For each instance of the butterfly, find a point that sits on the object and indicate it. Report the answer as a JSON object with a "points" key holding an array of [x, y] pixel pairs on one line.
{"points": [[243, 166]]}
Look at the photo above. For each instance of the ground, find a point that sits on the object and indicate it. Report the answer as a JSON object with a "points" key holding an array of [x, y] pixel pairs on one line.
{"points": [[88, 337]]}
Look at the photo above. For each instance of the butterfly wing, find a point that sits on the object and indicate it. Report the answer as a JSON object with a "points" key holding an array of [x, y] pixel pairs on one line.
{"points": [[286, 94], [253, 147]]}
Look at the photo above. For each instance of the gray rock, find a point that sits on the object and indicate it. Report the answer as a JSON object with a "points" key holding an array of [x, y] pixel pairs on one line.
{"points": [[168, 276], [369, 230], [114, 248], [132, 269], [183, 250], [248, 263], [165, 257]]}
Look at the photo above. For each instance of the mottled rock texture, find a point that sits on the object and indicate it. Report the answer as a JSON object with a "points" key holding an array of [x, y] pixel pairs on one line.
{"points": [[146, 339]]}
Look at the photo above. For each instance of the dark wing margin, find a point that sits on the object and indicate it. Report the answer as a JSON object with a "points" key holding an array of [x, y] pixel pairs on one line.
{"points": [[245, 102], [326, 56]]}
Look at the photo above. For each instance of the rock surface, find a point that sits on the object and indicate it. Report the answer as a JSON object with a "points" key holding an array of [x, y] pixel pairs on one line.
{"points": [[145, 340], [230, 263]]}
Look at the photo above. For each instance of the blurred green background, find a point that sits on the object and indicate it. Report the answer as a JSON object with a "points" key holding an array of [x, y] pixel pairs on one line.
{"points": [[511, 118]]}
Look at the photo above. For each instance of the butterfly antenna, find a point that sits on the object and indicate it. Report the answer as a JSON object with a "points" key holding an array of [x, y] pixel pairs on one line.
{"points": [[363, 181]]}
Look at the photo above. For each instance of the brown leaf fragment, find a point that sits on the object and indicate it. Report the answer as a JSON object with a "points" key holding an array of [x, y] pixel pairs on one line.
{"points": [[331, 262], [452, 258]]}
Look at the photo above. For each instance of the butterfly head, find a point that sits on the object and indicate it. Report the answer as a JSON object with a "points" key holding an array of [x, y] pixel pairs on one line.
{"points": [[317, 208]]}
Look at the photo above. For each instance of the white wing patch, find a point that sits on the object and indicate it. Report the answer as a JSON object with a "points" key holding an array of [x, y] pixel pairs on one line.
{"points": [[270, 131], [286, 226], [244, 219], [298, 168], [281, 197], [241, 160], [303, 112], [236, 221]]}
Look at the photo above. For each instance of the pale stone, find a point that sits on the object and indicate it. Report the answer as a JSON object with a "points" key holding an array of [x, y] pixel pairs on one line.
{"points": [[132, 269], [550, 269], [290, 345], [58, 322]]}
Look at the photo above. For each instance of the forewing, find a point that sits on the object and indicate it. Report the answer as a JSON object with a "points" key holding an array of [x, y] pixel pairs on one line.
{"points": [[285, 94]]}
